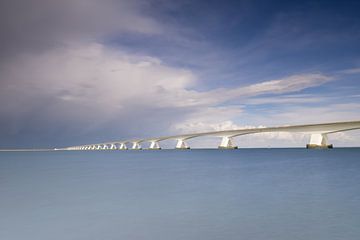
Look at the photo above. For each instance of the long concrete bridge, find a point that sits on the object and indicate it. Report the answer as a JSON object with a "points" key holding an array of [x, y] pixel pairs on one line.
{"points": [[318, 137]]}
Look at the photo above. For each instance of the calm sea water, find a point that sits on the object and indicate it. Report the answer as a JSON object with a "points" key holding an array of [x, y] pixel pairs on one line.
{"points": [[247, 194]]}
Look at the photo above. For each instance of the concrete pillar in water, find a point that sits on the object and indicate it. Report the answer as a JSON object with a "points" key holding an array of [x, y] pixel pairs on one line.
{"points": [[136, 146], [123, 146], [154, 145], [181, 144], [319, 140], [226, 143]]}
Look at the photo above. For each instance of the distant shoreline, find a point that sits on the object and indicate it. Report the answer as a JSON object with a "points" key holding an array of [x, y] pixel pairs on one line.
{"points": [[26, 150]]}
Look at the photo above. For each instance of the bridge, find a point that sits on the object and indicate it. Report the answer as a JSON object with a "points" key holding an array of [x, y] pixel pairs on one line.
{"points": [[318, 137]]}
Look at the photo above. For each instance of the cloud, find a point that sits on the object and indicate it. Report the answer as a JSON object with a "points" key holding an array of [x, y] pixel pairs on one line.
{"points": [[215, 117], [91, 77], [288, 99], [39, 25], [88, 87], [350, 71], [288, 84], [209, 119]]}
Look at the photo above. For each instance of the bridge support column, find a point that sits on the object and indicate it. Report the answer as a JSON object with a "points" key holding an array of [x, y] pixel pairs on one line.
{"points": [[136, 146], [226, 143], [154, 145], [181, 144], [112, 146], [123, 146], [105, 147], [319, 140], [97, 147]]}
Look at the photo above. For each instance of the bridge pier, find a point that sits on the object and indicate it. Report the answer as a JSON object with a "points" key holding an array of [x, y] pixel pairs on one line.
{"points": [[112, 146], [154, 145], [319, 140], [136, 146], [181, 144], [227, 143], [123, 146]]}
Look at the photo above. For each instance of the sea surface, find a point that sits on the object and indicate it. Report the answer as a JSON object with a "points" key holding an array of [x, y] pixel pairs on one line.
{"points": [[250, 194]]}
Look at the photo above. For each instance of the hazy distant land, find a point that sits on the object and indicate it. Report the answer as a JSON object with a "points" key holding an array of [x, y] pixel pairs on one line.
{"points": [[27, 150]]}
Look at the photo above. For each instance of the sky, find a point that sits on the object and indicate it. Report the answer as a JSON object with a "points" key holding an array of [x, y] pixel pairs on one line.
{"points": [[84, 71]]}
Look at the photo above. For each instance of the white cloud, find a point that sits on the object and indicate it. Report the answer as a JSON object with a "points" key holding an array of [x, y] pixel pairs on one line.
{"points": [[209, 119], [289, 99], [93, 85], [93, 78], [350, 71], [327, 113], [99, 77], [288, 84]]}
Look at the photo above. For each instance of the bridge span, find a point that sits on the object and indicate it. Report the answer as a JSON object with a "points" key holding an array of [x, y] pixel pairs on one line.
{"points": [[318, 137]]}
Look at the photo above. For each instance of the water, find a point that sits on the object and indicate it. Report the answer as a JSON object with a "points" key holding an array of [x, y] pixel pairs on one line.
{"points": [[197, 194]]}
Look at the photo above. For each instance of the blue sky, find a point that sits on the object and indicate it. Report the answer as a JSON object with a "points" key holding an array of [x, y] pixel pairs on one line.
{"points": [[74, 72], [232, 41]]}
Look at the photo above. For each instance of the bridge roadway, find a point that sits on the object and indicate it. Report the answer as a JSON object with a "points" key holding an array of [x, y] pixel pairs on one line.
{"points": [[318, 137]]}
